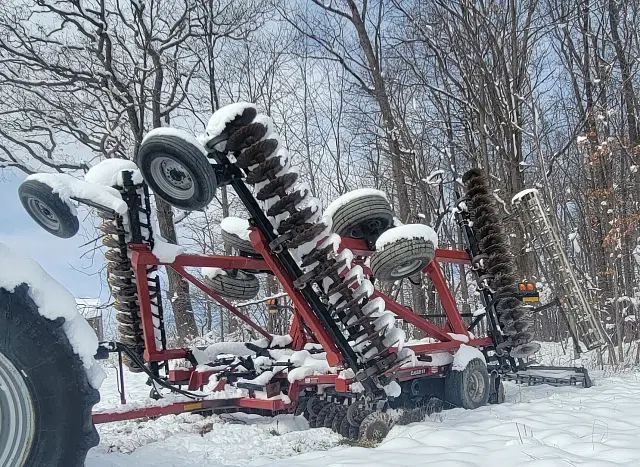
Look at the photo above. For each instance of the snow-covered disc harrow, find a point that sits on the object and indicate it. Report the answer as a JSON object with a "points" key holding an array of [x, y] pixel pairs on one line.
{"points": [[344, 363]]}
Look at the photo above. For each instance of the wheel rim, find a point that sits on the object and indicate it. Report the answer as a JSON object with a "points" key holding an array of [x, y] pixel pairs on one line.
{"points": [[476, 387], [43, 214], [406, 268], [16, 416], [172, 177], [372, 227]]}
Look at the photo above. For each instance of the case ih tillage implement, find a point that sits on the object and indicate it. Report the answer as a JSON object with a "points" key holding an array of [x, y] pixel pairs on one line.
{"points": [[323, 265]]}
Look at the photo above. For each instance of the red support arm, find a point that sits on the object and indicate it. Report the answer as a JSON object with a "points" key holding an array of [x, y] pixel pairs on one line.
{"points": [[409, 316], [333, 355]]}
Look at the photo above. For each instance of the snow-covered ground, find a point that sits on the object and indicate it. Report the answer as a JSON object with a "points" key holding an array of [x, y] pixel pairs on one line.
{"points": [[537, 426]]}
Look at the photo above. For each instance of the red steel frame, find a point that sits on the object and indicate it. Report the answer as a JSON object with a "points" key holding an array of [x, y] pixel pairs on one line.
{"points": [[142, 258]]}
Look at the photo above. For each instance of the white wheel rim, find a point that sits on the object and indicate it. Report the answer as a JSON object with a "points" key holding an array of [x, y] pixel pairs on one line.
{"points": [[44, 215], [172, 177], [17, 420], [476, 386]]}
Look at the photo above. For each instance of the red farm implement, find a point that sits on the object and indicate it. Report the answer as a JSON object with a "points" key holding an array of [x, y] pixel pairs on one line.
{"points": [[345, 363]]}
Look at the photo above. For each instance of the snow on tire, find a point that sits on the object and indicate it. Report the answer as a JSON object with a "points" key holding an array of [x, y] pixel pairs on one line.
{"points": [[241, 245], [364, 217], [45, 408], [47, 209], [176, 168], [401, 259], [234, 284], [468, 388]]}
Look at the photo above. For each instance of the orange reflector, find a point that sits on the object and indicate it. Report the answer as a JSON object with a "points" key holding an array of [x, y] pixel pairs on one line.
{"points": [[523, 287], [530, 287]]}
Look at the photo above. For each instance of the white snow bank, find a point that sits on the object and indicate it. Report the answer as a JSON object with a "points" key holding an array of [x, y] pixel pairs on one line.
{"points": [[108, 172], [185, 135], [224, 115], [537, 426], [236, 226], [53, 301], [464, 355], [518, 196], [166, 252], [406, 232], [67, 187], [350, 196]]}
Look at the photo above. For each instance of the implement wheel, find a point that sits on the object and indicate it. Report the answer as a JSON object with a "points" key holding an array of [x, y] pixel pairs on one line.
{"points": [[364, 217], [468, 388], [401, 259], [47, 209], [45, 397], [176, 168], [235, 285]]}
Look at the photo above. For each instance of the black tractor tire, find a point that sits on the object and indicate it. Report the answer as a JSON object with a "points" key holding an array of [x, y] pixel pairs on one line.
{"points": [[468, 388], [59, 393], [47, 209], [177, 171], [243, 247], [236, 285], [375, 427], [401, 259], [366, 217]]}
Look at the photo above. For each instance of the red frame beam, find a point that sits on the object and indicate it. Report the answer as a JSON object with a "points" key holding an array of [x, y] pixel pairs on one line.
{"points": [[180, 270], [333, 354], [157, 411]]}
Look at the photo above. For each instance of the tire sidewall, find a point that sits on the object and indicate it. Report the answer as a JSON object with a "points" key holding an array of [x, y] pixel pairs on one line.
{"points": [[457, 385], [55, 377], [202, 174], [384, 262], [67, 220], [348, 217]]}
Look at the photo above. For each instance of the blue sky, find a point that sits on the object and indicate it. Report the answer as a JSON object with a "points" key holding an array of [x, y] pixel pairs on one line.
{"points": [[61, 258]]}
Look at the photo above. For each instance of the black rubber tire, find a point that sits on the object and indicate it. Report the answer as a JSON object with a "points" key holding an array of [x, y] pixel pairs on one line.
{"points": [[56, 380], [375, 427], [328, 419], [190, 157], [317, 421], [412, 254], [338, 418], [459, 386], [370, 210], [301, 408], [241, 245], [345, 427], [236, 285], [315, 406], [63, 222]]}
